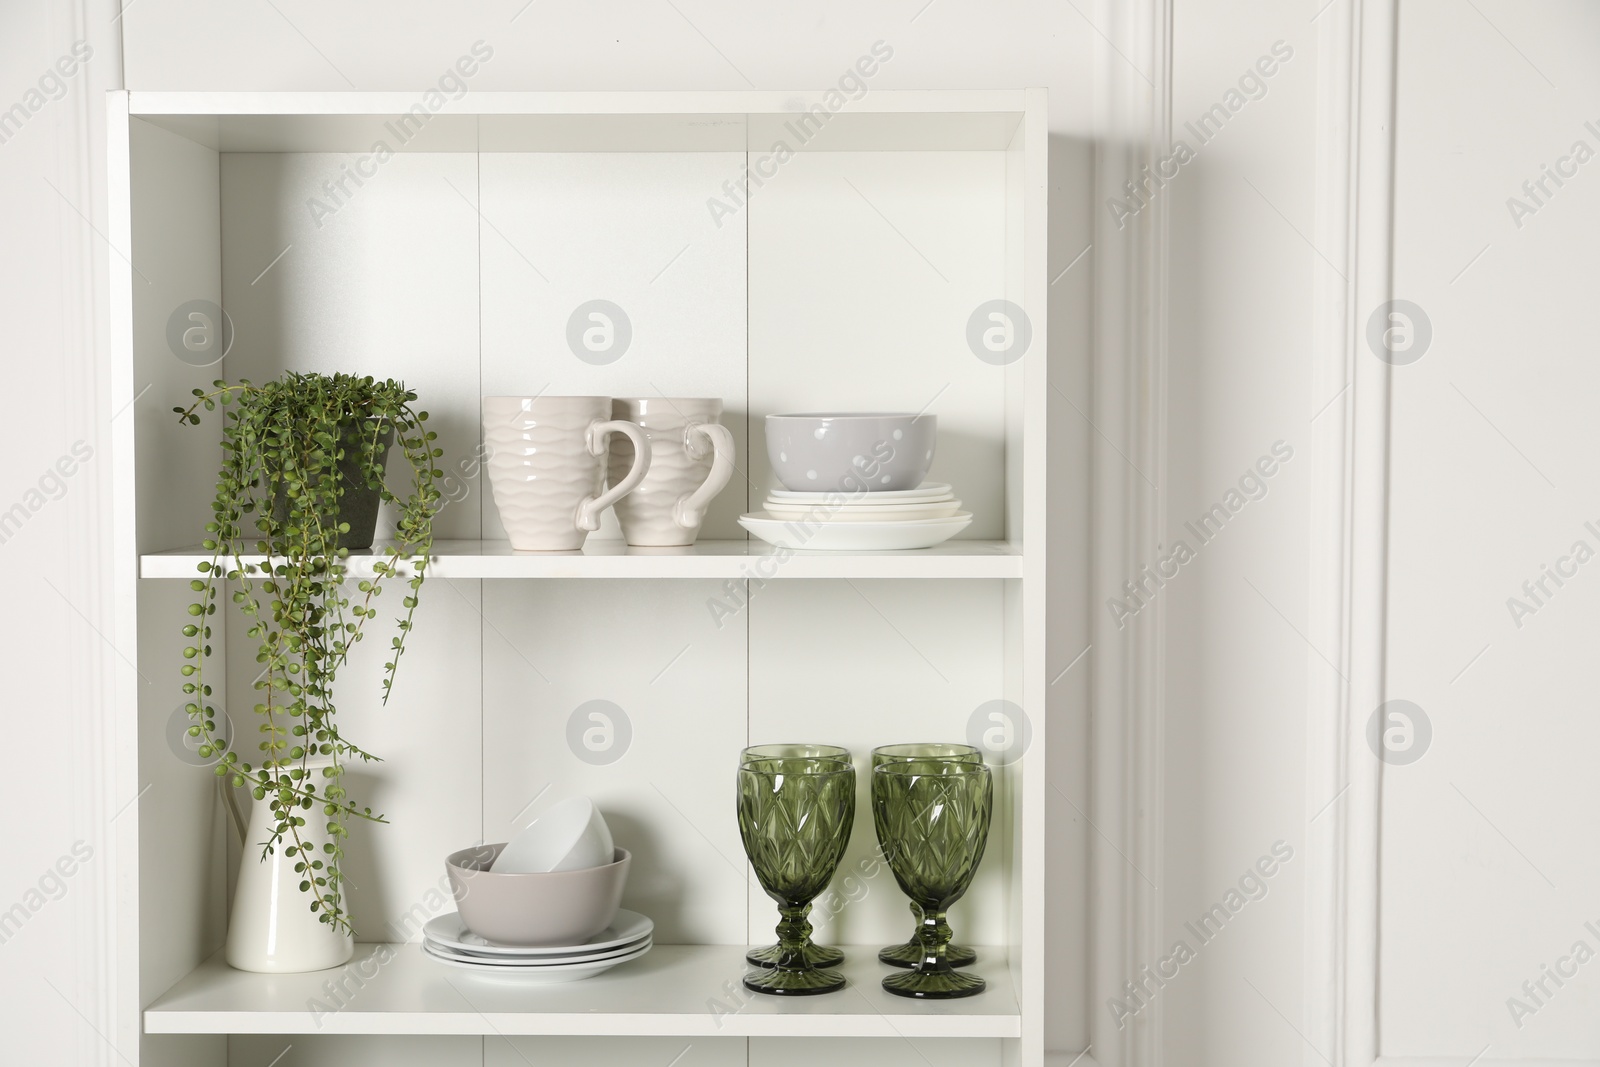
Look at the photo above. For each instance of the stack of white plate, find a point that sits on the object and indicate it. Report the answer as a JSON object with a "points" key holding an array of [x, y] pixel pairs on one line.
{"points": [[448, 940], [860, 522]]}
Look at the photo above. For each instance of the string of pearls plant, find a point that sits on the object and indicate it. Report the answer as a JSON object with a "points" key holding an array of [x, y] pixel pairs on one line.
{"points": [[284, 444]]}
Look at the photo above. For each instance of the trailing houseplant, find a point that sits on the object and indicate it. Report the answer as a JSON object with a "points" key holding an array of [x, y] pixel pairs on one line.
{"points": [[297, 453]]}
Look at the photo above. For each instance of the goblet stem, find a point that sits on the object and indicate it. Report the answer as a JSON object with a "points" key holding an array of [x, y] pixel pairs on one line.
{"points": [[909, 952], [794, 934], [934, 937], [793, 971]]}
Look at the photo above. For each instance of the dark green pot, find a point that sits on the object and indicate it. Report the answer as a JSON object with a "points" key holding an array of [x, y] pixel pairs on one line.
{"points": [[358, 501]]}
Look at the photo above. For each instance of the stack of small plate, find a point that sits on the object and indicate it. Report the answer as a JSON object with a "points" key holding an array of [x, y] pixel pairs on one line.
{"points": [[860, 522], [448, 940]]}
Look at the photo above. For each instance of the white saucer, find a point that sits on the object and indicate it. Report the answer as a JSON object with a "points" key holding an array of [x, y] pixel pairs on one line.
{"points": [[568, 972], [436, 949], [925, 491], [854, 536], [912, 512], [449, 931]]}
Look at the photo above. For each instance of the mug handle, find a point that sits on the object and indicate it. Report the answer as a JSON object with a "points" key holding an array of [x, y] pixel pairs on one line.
{"points": [[690, 510], [590, 510]]}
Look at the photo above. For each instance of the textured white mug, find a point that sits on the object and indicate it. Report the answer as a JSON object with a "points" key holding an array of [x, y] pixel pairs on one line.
{"points": [[547, 466], [691, 461]]}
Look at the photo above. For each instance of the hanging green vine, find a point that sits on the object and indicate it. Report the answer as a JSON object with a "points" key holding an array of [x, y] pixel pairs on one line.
{"points": [[284, 444]]}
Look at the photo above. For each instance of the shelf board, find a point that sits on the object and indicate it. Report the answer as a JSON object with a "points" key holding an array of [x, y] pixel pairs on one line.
{"points": [[674, 990], [707, 559]]}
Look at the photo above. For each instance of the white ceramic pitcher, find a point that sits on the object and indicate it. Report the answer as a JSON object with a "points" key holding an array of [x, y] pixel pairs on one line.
{"points": [[272, 928]]}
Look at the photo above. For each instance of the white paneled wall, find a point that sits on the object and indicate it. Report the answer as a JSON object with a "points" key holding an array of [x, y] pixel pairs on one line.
{"points": [[180, 43], [679, 687], [303, 297], [407, 234], [633, 229], [861, 663], [864, 268], [1487, 881]]}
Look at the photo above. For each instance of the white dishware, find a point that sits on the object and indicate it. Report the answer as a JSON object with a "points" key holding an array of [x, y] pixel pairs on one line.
{"points": [[567, 972], [540, 908], [925, 491], [691, 461], [551, 961], [593, 848], [627, 929], [570, 836], [272, 929], [448, 953], [802, 536], [547, 465], [851, 451], [863, 512]]}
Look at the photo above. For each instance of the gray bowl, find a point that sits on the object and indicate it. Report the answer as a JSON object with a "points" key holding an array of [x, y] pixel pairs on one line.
{"points": [[553, 908], [851, 452]]}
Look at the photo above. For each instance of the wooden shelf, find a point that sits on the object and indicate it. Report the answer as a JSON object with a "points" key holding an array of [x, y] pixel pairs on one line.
{"points": [[675, 990], [708, 559]]}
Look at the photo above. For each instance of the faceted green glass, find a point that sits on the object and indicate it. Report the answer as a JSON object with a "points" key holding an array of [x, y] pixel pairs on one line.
{"points": [[819, 955], [795, 816], [909, 952], [932, 818], [785, 751]]}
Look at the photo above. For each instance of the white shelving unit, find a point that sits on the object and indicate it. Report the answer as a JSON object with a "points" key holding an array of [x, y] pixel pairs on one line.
{"points": [[846, 281], [663, 995], [705, 559]]}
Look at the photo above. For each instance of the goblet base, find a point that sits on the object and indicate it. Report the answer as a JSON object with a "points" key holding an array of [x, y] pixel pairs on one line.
{"points": [[816, 956], [793, 982], [934, 985], [909, 954]]}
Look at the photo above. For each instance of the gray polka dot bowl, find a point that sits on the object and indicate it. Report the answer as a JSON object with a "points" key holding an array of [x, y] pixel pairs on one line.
{"points": [[851, 452]]}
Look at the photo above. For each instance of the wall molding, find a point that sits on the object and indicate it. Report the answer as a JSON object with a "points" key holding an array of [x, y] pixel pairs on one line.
{"points": [[1133, 104], [97, 788], [1349, 522]]}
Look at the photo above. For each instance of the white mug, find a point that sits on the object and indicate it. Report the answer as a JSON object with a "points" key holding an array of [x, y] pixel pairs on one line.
{"points": [[547, 466], [691, 461]]}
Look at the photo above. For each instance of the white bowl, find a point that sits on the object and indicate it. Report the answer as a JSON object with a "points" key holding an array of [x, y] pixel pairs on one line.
{"points": [[852, 451], [594, 847], [571, 836], [539, 908]]}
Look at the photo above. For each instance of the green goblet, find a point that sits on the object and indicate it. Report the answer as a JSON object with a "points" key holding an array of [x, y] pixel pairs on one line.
{"points": [[908, 953], [932, 818], [795, 816], [782, 751], [819, 955]]}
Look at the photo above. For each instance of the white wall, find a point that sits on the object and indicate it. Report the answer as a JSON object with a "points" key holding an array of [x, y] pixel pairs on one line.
{"points": [[1239, 323], [55, 660], [173, 44], [1239, 382], [1487, 871]]}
